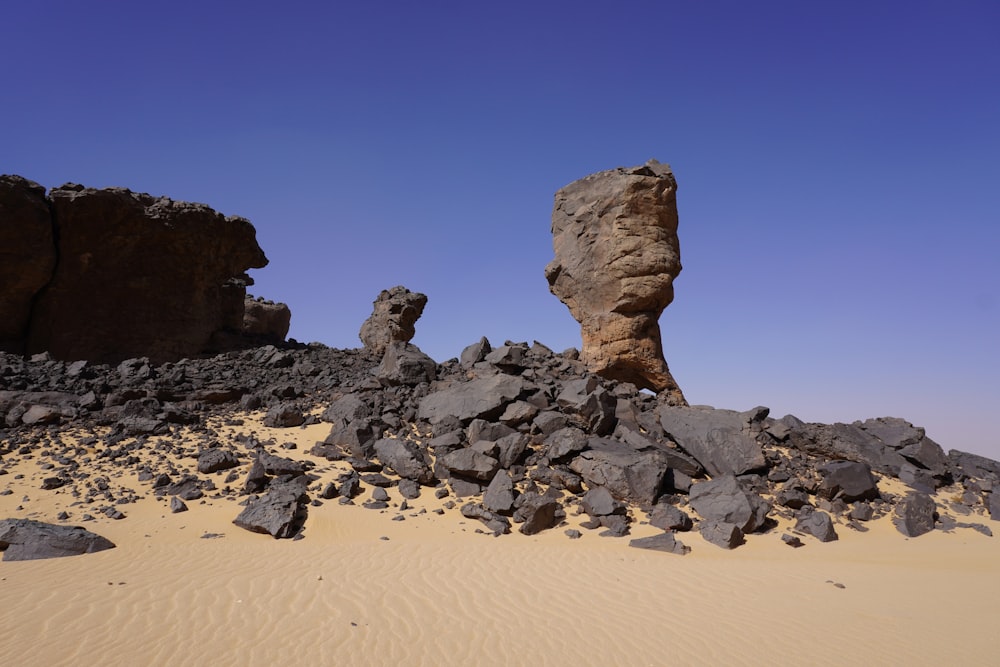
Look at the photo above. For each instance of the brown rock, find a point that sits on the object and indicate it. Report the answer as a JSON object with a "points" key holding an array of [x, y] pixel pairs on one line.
{"points": [[395, 312], [27, 255], [616, 257], [141, 276], [265, 319]]}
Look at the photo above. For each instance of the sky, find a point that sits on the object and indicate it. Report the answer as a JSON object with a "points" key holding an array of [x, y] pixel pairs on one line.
{"points": [[838, 168]]}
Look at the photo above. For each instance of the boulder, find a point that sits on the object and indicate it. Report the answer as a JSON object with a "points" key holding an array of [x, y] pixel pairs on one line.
{"points": [[614, 234], [284, 415], [847, 480], [724, 499], [591, 403], [974, 465], [816, 523], [993, 505], [537, 512], [405, 364], [915, 515], [405, 458], [216, 459], [499, 495], [27, 256], [629, 475], [668, 517], [846, 441], [470, 463], [723, 441], [265, 320], [496, 523], [482, 398], [141, 276], [281, 512], [24, 539], [598, 502], [722, 533], [394, 313]]}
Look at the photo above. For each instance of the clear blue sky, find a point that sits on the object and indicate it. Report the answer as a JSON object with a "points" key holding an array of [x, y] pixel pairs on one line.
{"points": [[838, 173]]}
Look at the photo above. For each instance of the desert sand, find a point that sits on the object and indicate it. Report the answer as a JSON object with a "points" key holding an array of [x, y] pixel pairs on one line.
{"points": [[364, 589]]}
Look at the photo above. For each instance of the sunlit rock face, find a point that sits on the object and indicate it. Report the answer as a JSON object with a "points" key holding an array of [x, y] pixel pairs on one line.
{"points": [[616, 257]]}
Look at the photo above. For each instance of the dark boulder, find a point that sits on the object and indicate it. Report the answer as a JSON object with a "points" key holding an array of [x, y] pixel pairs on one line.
{"points": [[499, 495], [592, 404], [723, 441], [24, 539], [670, 518], [666, 542], [816, 523], [724, 499], [405, 458], [847, 480], [265, 320], [482, 398], [722, 533], [281, 512], [405, 364], [915, 515], [284, 415], [537, 512], [216, 459], [629, 475], [470, 463], [496, 523]]}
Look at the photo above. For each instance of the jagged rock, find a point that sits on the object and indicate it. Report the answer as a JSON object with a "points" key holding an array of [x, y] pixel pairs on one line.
{"points": [[497, 523], [993, 505], [470, 463], [666, 542], [974, 465], [403, 363], [594, 405], [598, 502], [614, 234], [499, 495], [537, 513], [861, 512], [394, 313], [280, 465], [915, 515], [27, 256], [177, 505], [629, 475], [846, 441], [724, 499], [482, 398], [24, 539], [722, 533], [723, 441], [405, 458], [265, 320], [565, 442], [355, 438], [216, 459], [281, 512], [816, 523], [284, 415], [670, 518], [475, 353], [141, 276], [847, 480]]}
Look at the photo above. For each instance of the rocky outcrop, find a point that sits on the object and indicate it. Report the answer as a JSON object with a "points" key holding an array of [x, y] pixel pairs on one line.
{"points": [[27, 255], [111, 274], [394, 313], [24, 539], [616, 257]]}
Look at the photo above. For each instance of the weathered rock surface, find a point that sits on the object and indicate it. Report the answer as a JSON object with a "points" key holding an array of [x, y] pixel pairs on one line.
{"points": [[816, 523], [616, 257], [847, 480], [723, 441], [916, 515], [394, 313], [725, 499], [24, 539], [27, 256], [666, 542], [280, 512], [265, 320]]}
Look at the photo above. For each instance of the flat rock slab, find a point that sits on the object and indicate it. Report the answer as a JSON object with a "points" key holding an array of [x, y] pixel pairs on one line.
{"points": [[24, 539], [666, 542], [482, 398], [721, 440]]}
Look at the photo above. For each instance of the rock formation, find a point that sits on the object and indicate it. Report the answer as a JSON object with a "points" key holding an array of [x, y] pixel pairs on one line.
{"points": [[266, 320], [27, 255], [616, 257], [394, 313], [106, 275]]}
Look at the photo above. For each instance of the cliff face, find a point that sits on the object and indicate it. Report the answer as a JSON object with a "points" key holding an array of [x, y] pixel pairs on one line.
{"points": [[117, 274], [616, 256]]}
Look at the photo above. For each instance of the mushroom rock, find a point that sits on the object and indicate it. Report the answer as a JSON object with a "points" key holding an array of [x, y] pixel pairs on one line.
{"points": [[616, 256], [394, 313]]}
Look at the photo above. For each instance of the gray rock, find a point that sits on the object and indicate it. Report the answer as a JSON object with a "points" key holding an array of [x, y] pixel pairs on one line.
{"points": [[629, 475], [216, 459], [281, 512], [24, 539], [847, 480], [725, 500], [497, 523], [598, 502], [670, 518], [915, 515], [177, 505], [723, 441], [721, 534], [405, 458], [475, 353], [538, 513], [666, 542], [564, 443], [993, 504], [284, 415], [974, 465], [816, 523], [846, 441], [405, 364], [347, 408], [592, 403], [482, 398], [470, 463], [499, 496]]}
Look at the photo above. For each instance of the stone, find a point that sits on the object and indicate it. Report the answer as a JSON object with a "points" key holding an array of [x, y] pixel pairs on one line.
{"points": [[848, 442], [598, 502], [565, 442], [993, 505], [405, 364], [496, 523], [614, 234], [216, 459], [974, 465], [470, 463], [482, 398], [665, 542], [816, 523], [848, 480], [395, 312], [629, 475], [177, 505], [24, 539], [591, 402], [499, 495], [284, 415], [27, 256], [721, 533], [475, 353], [405, 458], [792, 541], [723, 441], [724, 499], [537, 513], [915, 515], [281, 512], [670, 518], [139, 275], [265, 321]]}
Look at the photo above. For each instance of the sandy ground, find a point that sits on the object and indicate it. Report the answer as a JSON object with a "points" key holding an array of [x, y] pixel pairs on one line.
{"points": [[364, 589]]}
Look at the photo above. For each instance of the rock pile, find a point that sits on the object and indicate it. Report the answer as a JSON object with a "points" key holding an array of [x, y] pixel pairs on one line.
{"points": [[106, 275], [518, 435], [616, 257]]}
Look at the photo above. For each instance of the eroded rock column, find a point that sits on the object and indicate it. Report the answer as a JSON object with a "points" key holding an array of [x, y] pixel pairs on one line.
{"points": [[616, 256]]}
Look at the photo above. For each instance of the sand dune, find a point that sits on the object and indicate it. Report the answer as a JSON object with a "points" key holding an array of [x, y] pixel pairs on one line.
{"points": [[436, 592]]}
